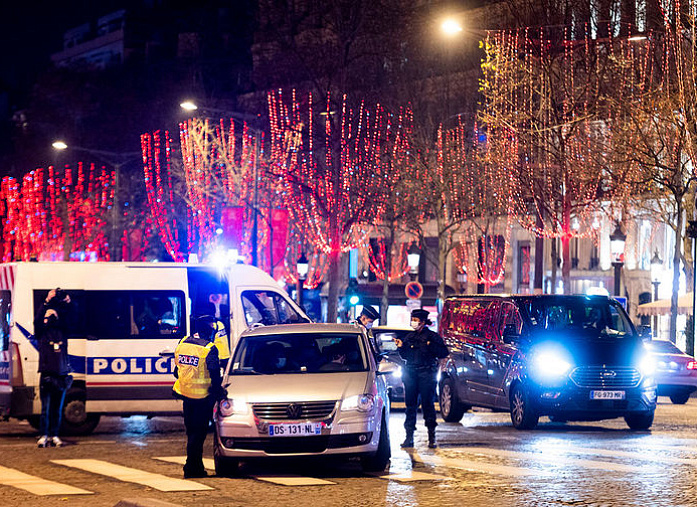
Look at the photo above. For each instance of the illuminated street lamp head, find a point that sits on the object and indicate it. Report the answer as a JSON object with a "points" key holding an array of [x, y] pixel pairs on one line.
{"points": [[617, 240], [451, 26], [188, 106], [59, 145]]}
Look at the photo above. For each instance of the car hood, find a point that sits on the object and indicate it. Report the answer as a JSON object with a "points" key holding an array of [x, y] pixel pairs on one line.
{"points": [[297, 387]]}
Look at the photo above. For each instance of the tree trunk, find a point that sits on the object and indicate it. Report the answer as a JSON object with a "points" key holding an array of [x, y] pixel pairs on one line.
{"points": [[442, 266], [539, 259], [566, 248], [555, 258], [385, 300], [676, 276], [334, 281]]}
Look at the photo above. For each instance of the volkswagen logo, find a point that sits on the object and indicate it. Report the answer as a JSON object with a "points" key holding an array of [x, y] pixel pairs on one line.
{"points": [[294, 411], [607, 374]]}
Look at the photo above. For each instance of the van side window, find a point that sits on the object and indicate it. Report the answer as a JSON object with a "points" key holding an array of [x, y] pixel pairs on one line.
{"points": [[5, 319], [268, 308], [510, 316]]}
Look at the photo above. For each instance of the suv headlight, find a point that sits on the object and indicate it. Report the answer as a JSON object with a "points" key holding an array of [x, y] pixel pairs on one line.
{"points": [[647, 365], [360, 402], [230, 407], [550, 365]]}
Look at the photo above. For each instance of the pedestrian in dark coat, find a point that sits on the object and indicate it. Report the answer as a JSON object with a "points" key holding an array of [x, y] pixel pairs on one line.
{"points": [[421, 349], [51, 332]]}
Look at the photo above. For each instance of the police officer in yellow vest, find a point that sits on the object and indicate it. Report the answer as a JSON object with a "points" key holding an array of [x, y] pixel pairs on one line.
{"points": [[198, 384]]}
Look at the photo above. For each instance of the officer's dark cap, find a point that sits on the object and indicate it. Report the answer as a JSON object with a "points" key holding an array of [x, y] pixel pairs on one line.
{"points": [[370, 312], [205, 327], [420, 314]]}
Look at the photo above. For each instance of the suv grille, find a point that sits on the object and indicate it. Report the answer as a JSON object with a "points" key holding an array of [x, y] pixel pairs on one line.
{"points": [[603, 377], [294, 411]]}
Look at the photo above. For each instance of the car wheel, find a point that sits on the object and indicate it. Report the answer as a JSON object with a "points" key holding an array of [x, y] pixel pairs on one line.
{"points": [[378, 462], [639, 422], [680, 397], [224, 466], [451, 408], [76, 420], [523, 413]]}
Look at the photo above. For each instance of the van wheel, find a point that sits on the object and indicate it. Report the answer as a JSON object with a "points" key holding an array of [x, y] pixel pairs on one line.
{"points": [[76, 420], [523, 414], [224, 466], [639, 422], [680, 397], [451, 408], [378, 462]]}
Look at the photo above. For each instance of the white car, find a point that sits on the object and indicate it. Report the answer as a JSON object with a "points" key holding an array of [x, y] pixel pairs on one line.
{"points": [[303, 390]]}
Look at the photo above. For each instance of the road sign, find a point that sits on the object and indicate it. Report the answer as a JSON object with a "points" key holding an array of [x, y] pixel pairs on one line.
{"points": [[413, 304], [413, 290]]}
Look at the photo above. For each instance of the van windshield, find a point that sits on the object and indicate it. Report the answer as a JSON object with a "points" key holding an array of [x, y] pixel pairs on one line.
{"points": [[596, 317], [299, 353]]}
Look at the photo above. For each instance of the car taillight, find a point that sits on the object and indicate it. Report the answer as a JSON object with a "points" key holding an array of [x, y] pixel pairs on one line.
{"points": [[17, 373], [692, 365]]}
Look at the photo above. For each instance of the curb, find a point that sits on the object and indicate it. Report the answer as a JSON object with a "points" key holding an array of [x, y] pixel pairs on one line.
{"points": [[144, 502]]}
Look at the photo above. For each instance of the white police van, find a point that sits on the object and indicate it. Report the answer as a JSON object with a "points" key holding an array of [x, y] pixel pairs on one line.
{"points": [[125, 322]]}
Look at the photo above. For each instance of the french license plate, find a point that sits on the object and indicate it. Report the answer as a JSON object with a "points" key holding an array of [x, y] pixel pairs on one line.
{"points": [[607, 395], [295, 430]]}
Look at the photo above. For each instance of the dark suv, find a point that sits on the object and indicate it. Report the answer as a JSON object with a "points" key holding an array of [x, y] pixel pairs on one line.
{"points": [[572, 358]]}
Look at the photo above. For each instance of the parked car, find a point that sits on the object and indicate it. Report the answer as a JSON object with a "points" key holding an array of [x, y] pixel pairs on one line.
{"points": [[384, 338], [676, 371], [303, 390], [572, 358]]}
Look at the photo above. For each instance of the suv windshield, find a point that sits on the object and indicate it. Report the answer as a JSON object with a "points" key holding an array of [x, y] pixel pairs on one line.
{"points": [[597, 317], [299, 353]]}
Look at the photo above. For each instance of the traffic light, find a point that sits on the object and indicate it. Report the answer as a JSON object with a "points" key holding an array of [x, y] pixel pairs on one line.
{"points": [[352, 295]]}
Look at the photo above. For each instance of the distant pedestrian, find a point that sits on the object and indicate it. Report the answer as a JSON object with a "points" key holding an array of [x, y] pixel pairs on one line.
{"points": [[421, 350], [51, 331], [198, 384]]}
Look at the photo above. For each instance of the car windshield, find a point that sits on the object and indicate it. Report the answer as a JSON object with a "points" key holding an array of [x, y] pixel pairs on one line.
{"points": [[299, 353], [595, 317], [663, 347]]}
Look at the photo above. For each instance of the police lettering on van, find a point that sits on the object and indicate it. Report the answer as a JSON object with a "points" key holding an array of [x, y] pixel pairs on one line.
{"points": [[130, 365]]}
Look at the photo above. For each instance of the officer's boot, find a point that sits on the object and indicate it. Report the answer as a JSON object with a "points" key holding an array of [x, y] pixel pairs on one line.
{"points": [[432, 438], [409, 440]]}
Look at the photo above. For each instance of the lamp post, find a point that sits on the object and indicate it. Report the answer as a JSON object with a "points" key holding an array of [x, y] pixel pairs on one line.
{"points": [[191, 106], [116, 160], [302, 267], [691, 232], [656, 268], [413, 259], [617, 240]]}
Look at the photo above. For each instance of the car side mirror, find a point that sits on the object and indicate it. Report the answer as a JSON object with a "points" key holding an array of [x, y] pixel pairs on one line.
{"points": [[387, 368], [510, 334]]}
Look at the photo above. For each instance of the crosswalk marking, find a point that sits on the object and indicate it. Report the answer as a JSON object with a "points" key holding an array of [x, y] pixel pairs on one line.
{"points": [[411, 476], [476, 466], [632, 455], [284, 480], [208, 463], [37, 485], [551, 459], [293, 480], [126, 474]]}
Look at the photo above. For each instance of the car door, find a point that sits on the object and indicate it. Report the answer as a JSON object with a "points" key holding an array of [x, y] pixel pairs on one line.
{"points": [[501, 353], [473, 372]]}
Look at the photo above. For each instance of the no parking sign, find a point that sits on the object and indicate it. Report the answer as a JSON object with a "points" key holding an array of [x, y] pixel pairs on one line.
{"points": [[413, 290]]}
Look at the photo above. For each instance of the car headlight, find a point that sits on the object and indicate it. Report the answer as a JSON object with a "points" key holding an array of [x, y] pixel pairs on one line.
{"points": [[360, 402], [229, 407], [647, 365], [550, 364], [397, 373]]}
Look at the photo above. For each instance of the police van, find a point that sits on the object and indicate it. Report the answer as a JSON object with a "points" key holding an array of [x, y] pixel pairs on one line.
{"points": [[125, 321]]}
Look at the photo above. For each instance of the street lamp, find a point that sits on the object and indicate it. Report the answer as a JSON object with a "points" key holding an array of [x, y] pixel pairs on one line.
{"points": [[656, 269], [116, 160], [617, 240], [413, 259], [302, 267], [191, 106], [451, 26]]}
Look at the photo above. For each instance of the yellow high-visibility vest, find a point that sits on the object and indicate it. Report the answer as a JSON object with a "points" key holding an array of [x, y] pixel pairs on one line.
{"points": [[221, 341], [194, 378]]}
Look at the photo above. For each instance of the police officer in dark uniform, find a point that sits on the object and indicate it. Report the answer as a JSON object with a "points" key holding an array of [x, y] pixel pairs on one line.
{"points": [[366, 319], [198, 384], [421, 350]]}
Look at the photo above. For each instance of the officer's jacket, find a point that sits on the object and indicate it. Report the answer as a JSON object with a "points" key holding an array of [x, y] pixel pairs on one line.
{"points": [[422, 349], [197, 369], [221, 341]]}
